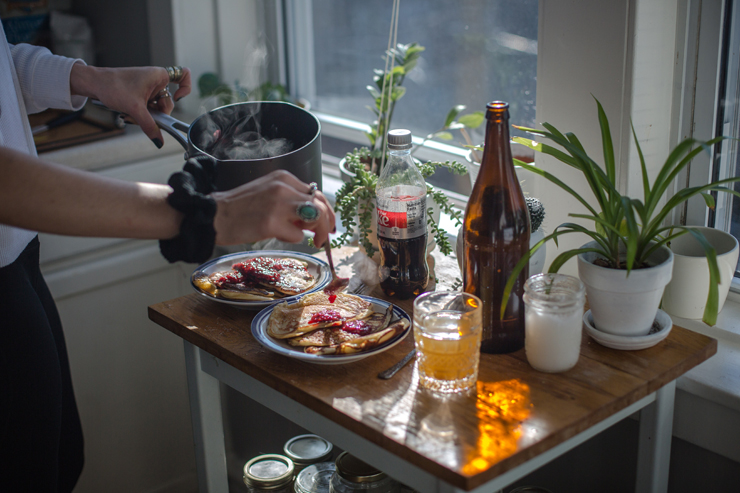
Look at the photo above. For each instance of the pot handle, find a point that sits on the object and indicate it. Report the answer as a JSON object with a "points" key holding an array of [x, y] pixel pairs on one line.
{"points": [[172, 126]]}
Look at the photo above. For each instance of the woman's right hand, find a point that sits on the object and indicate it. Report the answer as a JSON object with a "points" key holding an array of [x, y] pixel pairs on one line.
{"points": [[267, 208]]}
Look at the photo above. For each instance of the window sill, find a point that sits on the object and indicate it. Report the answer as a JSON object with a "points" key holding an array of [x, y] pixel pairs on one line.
{"points": [[717, 379]]}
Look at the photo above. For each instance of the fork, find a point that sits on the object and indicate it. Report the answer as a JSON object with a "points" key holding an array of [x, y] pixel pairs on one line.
{"points": [[337, 284], [362, 288]]}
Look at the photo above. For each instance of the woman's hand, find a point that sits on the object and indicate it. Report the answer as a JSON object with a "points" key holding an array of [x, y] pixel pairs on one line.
{"points": [[267, 208], [130, 91]]}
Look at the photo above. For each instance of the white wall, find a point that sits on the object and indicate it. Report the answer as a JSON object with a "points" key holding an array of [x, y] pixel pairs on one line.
{"points": [[571, 70]]}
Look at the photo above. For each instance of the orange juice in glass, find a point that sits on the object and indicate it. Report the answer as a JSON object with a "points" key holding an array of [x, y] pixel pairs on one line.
{"points": [[447, 334]]}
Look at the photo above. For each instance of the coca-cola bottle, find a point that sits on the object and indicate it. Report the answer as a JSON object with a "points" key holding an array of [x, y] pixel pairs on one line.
{"points": [[402, 221], [496, 237]]}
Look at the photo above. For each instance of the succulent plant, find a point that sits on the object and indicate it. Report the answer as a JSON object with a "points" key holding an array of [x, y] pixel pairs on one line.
{"points": [[536, 212]]}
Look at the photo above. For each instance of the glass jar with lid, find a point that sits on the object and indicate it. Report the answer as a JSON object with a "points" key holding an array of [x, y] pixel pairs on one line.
{"points": [[269, 473], [315, 478], [353, 476], [305, 450]]}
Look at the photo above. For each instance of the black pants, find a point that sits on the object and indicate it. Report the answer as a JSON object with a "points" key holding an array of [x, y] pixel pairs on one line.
{"points": [[40, 432]]}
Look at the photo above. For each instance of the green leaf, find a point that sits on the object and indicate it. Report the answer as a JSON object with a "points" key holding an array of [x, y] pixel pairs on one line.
{"points": [[561, 259], [559, 183], [472, 120], [606, 141], [532, 144], [708, 199], [444, 135], [453, 114], [398, 93], [633, 233]]}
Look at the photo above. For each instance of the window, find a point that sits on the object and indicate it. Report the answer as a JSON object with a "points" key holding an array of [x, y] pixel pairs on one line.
{"points": [[475, 51], [712, 84], [726, 163]]}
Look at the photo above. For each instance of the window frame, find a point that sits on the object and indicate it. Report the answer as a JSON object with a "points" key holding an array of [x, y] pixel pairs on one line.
{"points": [[702, 29], [301, 83]]}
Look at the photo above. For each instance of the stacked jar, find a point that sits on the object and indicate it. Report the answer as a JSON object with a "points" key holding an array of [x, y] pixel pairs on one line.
{"points": [[269, 473], [354, 476], [311, 455]]}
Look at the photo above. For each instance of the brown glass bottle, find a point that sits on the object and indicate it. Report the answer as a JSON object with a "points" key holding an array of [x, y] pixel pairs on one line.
{"points": [[496, 237]]}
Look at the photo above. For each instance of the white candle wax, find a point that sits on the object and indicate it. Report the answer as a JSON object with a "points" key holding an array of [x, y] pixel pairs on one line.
{"points": [[552, 339]]}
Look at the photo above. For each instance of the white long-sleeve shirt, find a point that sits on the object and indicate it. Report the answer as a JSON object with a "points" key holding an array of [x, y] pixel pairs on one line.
{"points": [[32, 79]]}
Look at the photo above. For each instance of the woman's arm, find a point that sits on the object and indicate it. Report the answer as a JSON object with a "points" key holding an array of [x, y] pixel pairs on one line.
{"points": [[43, 196], [51, 198]]}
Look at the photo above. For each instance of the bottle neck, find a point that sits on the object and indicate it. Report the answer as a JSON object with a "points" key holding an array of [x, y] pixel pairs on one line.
{"points": [[497, 150], [399, 152]]}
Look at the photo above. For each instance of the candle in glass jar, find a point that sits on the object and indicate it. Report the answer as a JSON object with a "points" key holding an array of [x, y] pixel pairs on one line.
{"points": [[553, 321]]}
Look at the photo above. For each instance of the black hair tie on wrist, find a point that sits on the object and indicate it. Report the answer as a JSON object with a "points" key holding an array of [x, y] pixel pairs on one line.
{"points": [[190, 195]]}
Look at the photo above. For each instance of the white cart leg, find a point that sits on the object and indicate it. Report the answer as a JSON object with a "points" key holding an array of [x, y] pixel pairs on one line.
{"points": [[208, 429], [654, 448]]}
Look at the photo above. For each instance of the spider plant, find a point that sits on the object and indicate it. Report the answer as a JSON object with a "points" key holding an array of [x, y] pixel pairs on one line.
{"points": [[626, 230]]}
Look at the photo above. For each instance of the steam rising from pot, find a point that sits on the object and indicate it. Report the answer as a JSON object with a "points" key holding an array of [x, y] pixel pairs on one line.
{"points": [[236, 133], [231, 135]]}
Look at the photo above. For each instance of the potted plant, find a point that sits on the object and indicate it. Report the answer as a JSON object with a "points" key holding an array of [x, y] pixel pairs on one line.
{"points": [[355, 200], [628, 251]]}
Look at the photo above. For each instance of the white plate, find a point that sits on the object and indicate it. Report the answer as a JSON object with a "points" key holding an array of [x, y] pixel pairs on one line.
{"points": [[259, 331], [318, 268], [630, 343]]}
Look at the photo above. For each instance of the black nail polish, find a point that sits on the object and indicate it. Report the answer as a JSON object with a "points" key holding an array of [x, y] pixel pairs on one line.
{"points": [[178, 99], [334, 230], [157, 142]]}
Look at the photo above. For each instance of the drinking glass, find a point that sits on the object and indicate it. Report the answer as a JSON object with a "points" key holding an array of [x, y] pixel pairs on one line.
{"points": [[447, 334]]}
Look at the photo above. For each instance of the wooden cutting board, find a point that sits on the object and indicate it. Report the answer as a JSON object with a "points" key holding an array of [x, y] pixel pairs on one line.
{"points": [[87, 128]]}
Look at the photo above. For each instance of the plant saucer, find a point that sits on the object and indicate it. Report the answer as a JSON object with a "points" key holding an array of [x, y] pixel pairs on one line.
{"points": [[661, 328]]}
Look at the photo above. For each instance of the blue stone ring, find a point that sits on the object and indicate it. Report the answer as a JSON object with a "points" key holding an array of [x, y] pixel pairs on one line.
{"points": [[312, 187], [308, 212]]}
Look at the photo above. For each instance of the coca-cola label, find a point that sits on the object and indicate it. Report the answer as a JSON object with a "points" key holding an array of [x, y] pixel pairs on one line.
{"points": [[402, 217]]}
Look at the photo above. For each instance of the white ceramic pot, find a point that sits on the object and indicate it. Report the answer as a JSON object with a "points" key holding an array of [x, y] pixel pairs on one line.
{"points": [[621, 304], [686, 295], [536, 262]]}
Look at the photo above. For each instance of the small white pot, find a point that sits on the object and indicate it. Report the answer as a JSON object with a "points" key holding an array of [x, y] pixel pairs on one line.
{"points": [[686, 295], [621, 304], [536, 261]]}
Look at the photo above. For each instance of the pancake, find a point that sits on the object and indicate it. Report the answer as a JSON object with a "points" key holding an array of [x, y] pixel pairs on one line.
{"points": [[285, 275], [346, 332], [363, 343], [257, 279], [315, 311]]}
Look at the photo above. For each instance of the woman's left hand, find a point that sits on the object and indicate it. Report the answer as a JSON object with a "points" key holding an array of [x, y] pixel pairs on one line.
{"points": [[132, 91]]}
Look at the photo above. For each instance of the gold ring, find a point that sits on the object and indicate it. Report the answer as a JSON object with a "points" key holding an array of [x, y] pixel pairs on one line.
{"points": [[175, 73]]}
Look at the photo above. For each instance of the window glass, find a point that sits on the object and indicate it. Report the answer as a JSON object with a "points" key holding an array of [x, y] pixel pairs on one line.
{"points": [[726, 163], [475, 51]]}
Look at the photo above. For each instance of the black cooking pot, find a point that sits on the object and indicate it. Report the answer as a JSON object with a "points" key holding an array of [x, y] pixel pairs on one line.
{"points": [[288, 133]]}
